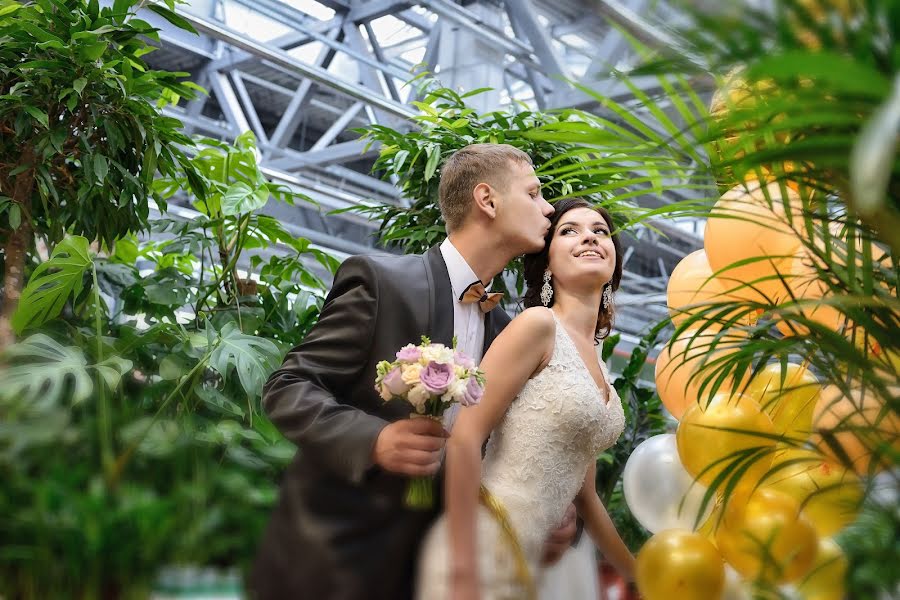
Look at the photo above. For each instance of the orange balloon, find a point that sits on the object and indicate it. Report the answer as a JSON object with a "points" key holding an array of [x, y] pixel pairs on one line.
{"points": [[765, 537], [829, 494], [744, 225], [726, 435], [826, 579], [680, 370], [676, 563], [864, 428], [805, 285], [806, 292], [691, 282], [790, 404]]}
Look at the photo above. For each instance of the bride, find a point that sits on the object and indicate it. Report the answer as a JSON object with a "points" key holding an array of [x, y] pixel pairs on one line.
{"points": [[549, 411]]}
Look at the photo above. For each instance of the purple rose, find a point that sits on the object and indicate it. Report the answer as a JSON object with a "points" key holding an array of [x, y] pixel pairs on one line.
{"points": [[473, 394], [436, 377], [409, 353], [463, 360], [393, 381]]}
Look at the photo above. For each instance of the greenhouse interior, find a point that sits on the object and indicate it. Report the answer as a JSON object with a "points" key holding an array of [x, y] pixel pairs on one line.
{"points": [[246, 244]]}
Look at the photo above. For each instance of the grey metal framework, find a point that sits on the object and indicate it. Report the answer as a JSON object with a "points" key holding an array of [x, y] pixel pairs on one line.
{"points": [[301, 74]]}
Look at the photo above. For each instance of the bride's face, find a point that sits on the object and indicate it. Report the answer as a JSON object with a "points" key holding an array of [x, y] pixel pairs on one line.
{"points": [[582, 250]]}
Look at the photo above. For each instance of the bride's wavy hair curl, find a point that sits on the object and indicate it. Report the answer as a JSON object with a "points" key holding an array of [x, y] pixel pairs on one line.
{"points": [[536, 264]]}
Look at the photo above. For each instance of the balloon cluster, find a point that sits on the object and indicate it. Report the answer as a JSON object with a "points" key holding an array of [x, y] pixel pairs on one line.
{"points": [[760, 474]]}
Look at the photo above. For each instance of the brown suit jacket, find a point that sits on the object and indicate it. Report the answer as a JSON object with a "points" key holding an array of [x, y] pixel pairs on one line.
{"points": [[339, 530]]}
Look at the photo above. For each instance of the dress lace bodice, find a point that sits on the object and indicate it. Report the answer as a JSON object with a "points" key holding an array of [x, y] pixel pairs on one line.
{"points": [[537, 457]]}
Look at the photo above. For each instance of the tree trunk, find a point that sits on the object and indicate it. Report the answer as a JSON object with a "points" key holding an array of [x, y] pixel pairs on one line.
{"points": [[15, 250]]}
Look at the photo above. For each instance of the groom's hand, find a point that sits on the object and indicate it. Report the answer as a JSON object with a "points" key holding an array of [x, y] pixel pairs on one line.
{"points": [[410, 447], [560, 539]]}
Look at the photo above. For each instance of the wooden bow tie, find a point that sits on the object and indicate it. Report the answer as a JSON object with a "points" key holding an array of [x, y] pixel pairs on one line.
{"points": [[475, 292]]}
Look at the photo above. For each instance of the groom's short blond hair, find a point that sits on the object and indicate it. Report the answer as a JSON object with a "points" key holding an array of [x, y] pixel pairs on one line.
{"points": [[466, 168]]}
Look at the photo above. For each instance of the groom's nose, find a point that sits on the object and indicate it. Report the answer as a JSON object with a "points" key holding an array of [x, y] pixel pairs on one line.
{"points": [[547, 208]]}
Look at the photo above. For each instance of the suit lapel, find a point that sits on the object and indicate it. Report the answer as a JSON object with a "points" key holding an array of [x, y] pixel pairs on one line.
{"points": [[441, 304]]}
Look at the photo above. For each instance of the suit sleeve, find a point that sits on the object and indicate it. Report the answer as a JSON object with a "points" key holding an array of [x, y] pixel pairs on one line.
{"points": [[304, 397]]}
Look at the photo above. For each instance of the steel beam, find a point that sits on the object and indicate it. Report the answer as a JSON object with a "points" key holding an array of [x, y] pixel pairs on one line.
{"points": [[281, 58]]}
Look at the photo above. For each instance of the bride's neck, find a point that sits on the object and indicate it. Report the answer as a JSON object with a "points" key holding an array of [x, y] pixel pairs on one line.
{"points": [[578, 313]]}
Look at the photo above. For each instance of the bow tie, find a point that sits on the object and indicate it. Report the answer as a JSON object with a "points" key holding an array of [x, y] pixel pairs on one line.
{"points": [[475, 292]]}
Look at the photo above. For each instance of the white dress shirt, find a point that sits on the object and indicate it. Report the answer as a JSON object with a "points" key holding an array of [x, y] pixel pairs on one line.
{"points": [[468, 320]]}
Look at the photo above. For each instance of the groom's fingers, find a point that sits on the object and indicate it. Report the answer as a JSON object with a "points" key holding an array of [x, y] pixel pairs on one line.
{"points": [[410, 447], [425, 427]]}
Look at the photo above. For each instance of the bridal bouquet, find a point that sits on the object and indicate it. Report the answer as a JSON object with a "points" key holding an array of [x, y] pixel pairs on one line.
{"points": [[430, 377]]}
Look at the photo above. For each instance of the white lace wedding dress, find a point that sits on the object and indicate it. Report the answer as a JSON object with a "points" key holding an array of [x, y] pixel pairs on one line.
{"points": [[535, 463]]}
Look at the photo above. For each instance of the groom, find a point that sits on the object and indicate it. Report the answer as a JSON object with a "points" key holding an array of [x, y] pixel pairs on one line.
{"points": [[340, 530]]}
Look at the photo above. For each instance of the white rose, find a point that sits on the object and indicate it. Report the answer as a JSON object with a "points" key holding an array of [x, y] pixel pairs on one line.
{"points": [[418, 396], [410, 373], [455, 392], [437, 354], [385, 393]]}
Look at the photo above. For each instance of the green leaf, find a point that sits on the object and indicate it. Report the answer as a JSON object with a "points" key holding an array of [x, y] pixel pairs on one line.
{"points": [[38, 114], [9, 9], [253, 358], [53, 283], [101, 167], [92, 51], [112, 369], [42, 370], [241, 198], [78, 85], [218, 402], [15, 216], [434, 156], [172, 18]]}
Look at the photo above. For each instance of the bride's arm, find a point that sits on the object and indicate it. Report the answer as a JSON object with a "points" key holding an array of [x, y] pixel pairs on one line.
{"points": [[523, 348], [601, 528]]}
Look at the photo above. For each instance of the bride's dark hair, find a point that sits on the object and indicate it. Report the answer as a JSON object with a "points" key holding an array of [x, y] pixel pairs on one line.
{"points": [[536, 264]]}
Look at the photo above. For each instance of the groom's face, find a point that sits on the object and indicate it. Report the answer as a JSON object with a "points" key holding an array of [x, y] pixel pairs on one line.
{"points": [[522, 213]]}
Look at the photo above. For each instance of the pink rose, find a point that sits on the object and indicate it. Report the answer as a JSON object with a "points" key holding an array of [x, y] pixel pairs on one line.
{"points": [[473, 393], [463, 360], [393, 381], [409, 353], [436, 377]]}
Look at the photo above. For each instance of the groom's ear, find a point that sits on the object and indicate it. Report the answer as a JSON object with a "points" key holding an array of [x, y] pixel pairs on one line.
{"points": [[484, 199]]}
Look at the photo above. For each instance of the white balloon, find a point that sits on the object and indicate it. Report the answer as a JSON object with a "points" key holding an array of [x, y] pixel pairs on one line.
{"points": [[655, 483], [735, 587]]}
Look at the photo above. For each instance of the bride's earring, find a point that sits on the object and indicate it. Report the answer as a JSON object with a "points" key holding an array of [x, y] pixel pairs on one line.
{"points": [[546, 289], [606, 300]]}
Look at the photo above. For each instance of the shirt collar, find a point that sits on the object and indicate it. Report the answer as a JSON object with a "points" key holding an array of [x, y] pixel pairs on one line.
{"points": [[461, 274]]}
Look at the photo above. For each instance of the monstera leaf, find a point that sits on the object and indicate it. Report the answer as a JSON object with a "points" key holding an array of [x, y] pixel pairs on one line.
{"points": [[253, 358], [43, 370], [53, 283]]}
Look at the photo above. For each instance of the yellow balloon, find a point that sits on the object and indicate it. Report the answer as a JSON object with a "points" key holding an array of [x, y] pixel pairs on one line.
{"points": [[680, 370], [744, 225], [709, 527], [826, 579], [765, 537], [788, 396], [676, 563], [829, 494], [860, 424], [691, 282], [716, 438]]}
